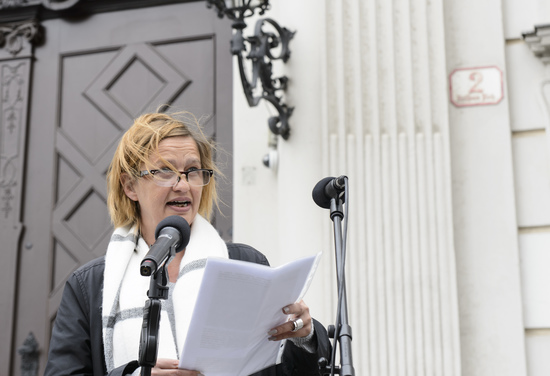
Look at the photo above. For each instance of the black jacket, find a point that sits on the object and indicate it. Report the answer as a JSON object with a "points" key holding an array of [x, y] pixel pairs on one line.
{"points": [[76, 346]]}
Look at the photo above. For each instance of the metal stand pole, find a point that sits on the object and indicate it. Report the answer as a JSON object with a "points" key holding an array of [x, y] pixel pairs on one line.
{"points": [[341, 332], [148, 346]]}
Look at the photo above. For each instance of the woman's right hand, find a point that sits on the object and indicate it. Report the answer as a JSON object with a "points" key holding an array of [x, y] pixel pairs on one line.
{"points": [[169, 367]]}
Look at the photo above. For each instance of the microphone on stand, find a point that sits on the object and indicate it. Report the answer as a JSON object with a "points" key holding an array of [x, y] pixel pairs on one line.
{"points": [[327, 189], [172, 236], [171, 232], [330, 193]]}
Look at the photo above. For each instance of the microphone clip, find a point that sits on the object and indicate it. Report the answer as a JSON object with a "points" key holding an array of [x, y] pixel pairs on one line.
{"points": [[330, 189]]}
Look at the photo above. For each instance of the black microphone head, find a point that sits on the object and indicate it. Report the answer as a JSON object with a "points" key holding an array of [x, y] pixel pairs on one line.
{"points": [[319, 195], [179, 224]]}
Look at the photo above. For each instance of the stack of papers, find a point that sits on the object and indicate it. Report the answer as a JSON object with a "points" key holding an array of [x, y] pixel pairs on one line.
{"points": [[238, 303]]}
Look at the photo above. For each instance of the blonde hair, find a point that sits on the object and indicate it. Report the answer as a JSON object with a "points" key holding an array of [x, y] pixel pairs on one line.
{"points": [[134, 151]]}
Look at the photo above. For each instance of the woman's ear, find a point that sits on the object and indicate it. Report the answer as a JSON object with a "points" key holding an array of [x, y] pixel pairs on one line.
{"points": [[127, 182]]}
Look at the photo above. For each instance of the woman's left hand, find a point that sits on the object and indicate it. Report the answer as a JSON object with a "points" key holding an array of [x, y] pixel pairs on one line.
{"points": [[169, 367], [298, 311]]}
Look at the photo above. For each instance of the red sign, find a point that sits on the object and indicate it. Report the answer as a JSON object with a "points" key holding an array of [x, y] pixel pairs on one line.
{"points": [[476, 86]]}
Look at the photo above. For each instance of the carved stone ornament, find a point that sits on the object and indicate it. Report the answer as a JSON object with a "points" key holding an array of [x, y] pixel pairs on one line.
{"points": [[14, 35], [14, 78], [538, 41]]}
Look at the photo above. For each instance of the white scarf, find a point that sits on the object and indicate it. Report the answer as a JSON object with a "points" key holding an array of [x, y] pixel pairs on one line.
{"points": [[125, 292]]}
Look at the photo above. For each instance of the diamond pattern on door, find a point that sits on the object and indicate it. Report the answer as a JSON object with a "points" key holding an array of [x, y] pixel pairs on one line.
{"points": [[67, 177], [157, 83], [63, 260], [87, 223]]}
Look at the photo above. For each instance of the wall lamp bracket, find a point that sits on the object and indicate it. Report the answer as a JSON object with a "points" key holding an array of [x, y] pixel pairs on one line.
{"points": [[262, 51]]}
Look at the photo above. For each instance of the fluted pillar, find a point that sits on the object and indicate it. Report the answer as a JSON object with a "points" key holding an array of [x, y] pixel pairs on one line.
{"points": [[386, 127]]}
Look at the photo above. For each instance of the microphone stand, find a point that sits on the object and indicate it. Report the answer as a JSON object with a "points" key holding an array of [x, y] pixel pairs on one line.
{"points": [[148, 346], [341, 332]]}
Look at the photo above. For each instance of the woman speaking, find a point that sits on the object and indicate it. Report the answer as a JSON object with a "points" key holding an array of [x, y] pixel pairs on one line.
{"points": [[162, 167]]}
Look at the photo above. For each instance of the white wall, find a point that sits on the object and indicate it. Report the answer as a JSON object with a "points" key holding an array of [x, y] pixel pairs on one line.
{"points": [[529, 124]]}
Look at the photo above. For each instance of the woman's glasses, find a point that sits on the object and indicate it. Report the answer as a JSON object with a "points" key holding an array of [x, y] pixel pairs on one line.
{"points": [[169, 178]]}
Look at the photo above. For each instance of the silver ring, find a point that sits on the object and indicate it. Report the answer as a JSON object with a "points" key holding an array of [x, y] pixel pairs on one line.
{"points": [[298, 324]]}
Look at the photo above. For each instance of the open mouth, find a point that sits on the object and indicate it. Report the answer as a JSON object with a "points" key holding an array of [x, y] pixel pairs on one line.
{"points": [[179, 204]]}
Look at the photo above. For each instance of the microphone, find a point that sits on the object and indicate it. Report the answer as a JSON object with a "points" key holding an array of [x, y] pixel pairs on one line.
{"points": [[171, 232], [327, 189]]}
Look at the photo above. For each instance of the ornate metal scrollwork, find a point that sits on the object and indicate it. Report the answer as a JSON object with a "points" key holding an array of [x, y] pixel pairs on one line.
{"points": [[261, 46], [261, 54], [240, 8], [12, 36]]}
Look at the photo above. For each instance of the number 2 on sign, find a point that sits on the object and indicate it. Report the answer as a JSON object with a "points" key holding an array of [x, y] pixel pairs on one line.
{"points": [[477, 77]]}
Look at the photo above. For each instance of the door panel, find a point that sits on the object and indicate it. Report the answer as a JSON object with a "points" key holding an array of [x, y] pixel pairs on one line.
{"points": [[92, 78]]}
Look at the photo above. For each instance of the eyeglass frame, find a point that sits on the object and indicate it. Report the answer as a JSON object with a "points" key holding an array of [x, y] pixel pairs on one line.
{"points": [[179, 175]]}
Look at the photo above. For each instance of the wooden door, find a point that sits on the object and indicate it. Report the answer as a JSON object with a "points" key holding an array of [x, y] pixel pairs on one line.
{"points": [[92, 77]]}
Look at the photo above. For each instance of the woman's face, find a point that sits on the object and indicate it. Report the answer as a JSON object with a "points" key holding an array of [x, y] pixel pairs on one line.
{"points": [[156, 202]]}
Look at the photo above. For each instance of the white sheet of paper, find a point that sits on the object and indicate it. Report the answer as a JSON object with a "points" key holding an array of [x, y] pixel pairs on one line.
{"points": [[238, 303]]}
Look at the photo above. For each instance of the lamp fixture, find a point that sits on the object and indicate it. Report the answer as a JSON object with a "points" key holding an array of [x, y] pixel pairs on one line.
{"points": [[262, 44]]}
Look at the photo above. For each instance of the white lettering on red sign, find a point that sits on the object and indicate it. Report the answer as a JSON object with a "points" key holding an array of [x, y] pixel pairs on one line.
{"points": [[476, 86]]}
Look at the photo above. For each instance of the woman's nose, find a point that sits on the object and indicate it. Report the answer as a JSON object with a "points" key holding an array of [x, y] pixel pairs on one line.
{"points": [[181, 184]]}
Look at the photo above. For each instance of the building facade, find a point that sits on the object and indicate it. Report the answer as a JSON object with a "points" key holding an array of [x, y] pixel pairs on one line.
{"points": [[437, 111]]}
